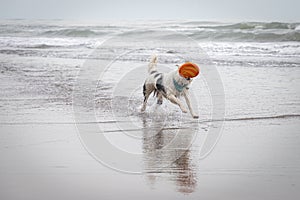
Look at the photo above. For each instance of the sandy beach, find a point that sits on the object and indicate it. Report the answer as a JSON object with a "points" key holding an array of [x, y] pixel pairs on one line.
{"points": [[255, 157]]}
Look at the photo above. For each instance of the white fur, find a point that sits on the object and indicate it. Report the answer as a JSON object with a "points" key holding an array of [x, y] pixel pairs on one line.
{"points": [[169, 90]]}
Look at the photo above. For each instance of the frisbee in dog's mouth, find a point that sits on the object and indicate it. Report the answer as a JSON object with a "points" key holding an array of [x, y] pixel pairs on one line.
{"points": [[189, 70]]}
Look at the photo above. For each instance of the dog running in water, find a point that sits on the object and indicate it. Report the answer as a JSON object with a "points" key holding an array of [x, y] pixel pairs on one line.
{"points": [[167, 85]]}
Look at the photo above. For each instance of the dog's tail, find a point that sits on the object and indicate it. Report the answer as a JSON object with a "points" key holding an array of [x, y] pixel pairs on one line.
{"points": [[152, 64]]}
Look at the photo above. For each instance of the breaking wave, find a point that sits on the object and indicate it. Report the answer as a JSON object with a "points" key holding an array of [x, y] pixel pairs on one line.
{"points": [[73, 33], [255, 25]]}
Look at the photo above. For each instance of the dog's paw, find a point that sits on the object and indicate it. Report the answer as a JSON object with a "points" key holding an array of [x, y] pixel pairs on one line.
{"points": [[143, 109], [195, 116]]}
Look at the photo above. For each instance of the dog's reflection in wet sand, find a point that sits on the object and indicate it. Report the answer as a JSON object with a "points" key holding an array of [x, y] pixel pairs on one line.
{"points": [[167, 154]]}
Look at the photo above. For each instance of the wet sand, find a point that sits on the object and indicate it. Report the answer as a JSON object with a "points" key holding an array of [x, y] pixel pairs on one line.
{"points": [[255, 159]]}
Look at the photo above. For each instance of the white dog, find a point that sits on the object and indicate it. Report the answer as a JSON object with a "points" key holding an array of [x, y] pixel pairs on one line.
{"points": [[168, 85]]}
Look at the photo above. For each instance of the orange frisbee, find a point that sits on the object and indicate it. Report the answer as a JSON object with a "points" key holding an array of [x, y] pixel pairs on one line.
{"points": [[189, 70]]}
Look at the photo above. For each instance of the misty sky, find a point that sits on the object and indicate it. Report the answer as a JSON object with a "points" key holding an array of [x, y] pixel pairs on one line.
{"points": [[221, 10]]}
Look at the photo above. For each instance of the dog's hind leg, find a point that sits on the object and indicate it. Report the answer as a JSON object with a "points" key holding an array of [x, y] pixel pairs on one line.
{"points": [[147, 90], [159, 98]]}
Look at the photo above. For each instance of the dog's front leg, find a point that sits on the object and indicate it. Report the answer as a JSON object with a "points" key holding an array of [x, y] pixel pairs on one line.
{"points": [[188, 102], [176, 101]]}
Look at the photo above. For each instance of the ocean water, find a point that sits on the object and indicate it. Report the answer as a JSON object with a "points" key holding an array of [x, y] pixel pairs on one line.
{"points": [[258, 64], [41, 59]]}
